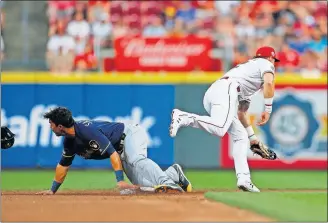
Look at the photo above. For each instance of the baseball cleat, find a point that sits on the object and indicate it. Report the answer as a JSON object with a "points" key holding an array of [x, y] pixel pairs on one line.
{"points": [[184, 183], [247, 186], [168, 188], [176, 122]]}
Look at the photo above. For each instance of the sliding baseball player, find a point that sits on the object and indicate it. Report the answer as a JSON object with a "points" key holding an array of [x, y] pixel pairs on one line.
{"points": [[236, 87], [124, 145]]}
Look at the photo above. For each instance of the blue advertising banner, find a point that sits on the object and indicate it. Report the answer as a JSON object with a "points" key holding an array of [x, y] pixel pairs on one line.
{"points": [[36, 146]]}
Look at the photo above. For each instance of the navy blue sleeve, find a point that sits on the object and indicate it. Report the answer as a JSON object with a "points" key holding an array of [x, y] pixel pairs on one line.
{"points": [[97, 140], [67, 155]]}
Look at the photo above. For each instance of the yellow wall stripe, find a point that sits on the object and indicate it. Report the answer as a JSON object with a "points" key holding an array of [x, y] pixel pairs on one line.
{"points": [[142, 78]]}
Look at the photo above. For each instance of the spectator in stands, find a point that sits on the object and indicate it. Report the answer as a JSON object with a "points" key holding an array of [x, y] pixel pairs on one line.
{"points": [[60, 10], [285, 10], [79, 27], [236, 27], [120, 28], [96, 9], [2, 44], [2, 49], [180, 29], [300, 43], [309, 65], [59, 24], [155, 28], [225, 38], [204, 9], [86, 61], [186, 13], [2, 20], [322, 24], [169, 17], [244, 29], [60, 52], [225, 7], [289, 59], [322, 61], [264, 25], [102, 31], [318, 42], [81, 7]]}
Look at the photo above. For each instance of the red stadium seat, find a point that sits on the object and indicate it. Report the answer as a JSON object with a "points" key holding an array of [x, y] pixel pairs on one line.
{"points": [[116, 9], [133, 10], [153, 11], [208, 23], [114, 18], [135, 25], [132, 18]]}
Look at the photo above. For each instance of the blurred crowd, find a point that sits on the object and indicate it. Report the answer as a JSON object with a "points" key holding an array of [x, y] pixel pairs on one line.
{"points": [[296, 29], [2, 25]]}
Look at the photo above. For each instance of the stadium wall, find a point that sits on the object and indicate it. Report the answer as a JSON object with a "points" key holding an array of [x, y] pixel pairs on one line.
{"points": [[297, 130]]}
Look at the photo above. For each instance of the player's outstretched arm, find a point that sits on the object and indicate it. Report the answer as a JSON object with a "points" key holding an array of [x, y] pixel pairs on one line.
{"points": [[60, 175], [117, 166], [268, 93], [244, 119], [61, 172]]}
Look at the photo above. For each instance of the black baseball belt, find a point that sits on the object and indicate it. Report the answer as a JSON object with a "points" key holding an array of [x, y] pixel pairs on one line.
{"points": [[121, 144]]}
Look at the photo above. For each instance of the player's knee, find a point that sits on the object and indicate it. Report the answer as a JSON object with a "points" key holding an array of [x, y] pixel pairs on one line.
{"points": [[133, 160], [221, 132]]}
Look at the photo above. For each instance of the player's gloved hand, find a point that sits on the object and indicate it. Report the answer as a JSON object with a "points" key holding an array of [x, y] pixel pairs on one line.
{"points": [[265, 116], [124, 185], [7, 138], [45, 192], [263, 151]]}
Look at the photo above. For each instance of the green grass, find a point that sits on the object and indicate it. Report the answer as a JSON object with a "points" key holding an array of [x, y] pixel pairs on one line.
{"points": [[205, 180], [263, 179], [281, 206]]}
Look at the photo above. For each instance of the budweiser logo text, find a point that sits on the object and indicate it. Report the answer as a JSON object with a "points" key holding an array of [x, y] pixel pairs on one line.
{"points": [[139, 47]]}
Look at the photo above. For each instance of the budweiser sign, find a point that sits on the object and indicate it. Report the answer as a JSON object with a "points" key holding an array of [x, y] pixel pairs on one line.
{"points": [[170, 54]]}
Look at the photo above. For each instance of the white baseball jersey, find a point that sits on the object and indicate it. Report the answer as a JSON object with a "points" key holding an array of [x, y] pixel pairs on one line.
{"points": [[249, 75]]}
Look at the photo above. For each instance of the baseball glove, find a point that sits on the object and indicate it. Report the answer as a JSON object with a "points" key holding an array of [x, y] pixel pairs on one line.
{"points": [[263, 151], [7, 138]]}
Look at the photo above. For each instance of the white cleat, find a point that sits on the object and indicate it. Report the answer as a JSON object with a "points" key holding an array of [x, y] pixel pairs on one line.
{"points": [[176, 121], [247, 186]]}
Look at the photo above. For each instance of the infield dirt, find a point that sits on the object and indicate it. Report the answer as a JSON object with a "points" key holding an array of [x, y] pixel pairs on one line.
{"points": [[110, 206]]}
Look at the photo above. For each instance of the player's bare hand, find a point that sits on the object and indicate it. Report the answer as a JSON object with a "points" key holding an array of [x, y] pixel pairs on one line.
{"points": [[46, 192], [265, 116], [124, 185], [256, 141]]}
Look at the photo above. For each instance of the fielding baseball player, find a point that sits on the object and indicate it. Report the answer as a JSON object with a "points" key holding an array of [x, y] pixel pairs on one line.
{"points": [[124, 145], [221, 100]]}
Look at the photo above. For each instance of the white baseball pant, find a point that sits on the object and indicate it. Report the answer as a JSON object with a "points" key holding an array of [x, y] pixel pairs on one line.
{"points": [[221, 101]]}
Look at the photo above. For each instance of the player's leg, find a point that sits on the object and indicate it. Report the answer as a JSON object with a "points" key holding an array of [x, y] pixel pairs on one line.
{"points": [[240, 146], [134, 176], [220, 102], [176, 173], [145, 171]]}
